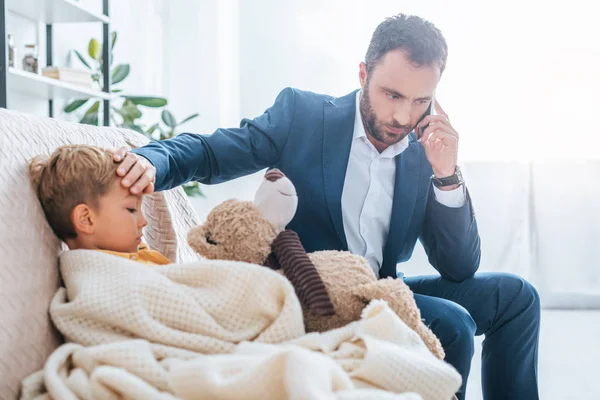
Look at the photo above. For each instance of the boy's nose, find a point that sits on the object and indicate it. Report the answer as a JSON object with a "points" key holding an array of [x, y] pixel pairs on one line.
{"points": [[143, 221]]}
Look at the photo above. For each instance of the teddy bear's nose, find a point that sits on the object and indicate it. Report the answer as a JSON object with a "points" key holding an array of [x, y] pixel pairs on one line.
{"points": [[274, 174]]}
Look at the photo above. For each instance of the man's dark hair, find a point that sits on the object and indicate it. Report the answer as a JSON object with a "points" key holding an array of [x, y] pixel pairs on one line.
{"points": [[423, 43]]}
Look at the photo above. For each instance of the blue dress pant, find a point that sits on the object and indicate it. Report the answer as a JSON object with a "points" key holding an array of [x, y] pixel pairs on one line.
{"points": [[503, 307]]}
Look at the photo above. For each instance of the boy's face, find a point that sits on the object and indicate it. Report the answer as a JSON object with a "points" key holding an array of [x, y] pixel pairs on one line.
{"points": [[119, 220]]}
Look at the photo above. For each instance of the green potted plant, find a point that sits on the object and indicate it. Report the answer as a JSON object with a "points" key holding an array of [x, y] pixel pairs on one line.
{"points": [[126, 111]]}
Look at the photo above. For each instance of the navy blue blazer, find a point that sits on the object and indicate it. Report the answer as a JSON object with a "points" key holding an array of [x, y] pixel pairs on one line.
{"points": [[308, 137]]}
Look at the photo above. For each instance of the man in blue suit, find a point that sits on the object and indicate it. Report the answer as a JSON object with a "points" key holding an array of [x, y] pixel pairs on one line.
{"points": [[375, 170]]}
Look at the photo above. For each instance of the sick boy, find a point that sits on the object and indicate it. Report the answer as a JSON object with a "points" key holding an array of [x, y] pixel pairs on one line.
{"points": [[86, 206]]}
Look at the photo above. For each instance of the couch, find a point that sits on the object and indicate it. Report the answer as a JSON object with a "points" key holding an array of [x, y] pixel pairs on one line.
{"points": [[28, 248], [29, 274]]}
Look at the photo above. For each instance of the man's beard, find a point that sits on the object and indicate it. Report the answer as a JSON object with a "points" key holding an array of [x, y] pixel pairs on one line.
{"points": [[377, 128]]}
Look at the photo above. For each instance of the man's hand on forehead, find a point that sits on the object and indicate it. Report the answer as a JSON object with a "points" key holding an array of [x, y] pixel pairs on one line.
{"points": [[138, 173]]}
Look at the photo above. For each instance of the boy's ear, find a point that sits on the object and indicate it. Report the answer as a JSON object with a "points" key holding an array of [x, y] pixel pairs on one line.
{"points": [[83, 219]]}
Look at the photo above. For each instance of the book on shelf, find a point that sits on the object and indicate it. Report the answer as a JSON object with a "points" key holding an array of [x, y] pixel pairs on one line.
{"points": [[69, 75]]}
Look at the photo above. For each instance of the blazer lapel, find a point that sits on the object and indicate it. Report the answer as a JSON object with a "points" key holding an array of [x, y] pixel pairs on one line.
{"points": [[338, 131], [406, 188]]}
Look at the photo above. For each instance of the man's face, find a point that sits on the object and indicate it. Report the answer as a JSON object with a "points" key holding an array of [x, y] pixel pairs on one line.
{"points": [[395, 97], [119, 220]]}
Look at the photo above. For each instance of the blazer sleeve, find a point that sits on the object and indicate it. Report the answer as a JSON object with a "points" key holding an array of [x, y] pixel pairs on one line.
{"points": [[451, 239], [227, 153]]}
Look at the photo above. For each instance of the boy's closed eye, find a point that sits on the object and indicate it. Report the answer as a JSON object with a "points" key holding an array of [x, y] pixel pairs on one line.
{"points": [[132, 210]]}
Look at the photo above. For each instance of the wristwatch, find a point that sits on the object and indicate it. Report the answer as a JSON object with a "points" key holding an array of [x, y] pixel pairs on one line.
{"points": [[456, 179]]}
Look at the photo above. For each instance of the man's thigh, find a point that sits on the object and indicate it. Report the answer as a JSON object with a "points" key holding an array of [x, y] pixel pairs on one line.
{"points": [[447, 320], [485, 296]]}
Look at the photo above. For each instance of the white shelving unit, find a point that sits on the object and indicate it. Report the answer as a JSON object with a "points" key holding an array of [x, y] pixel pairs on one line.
{"points": [[47, 88], [54, 11], [51, 12]]}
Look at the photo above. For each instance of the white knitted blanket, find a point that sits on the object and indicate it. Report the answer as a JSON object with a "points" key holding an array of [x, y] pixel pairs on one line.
{"points": [[219, 330]]}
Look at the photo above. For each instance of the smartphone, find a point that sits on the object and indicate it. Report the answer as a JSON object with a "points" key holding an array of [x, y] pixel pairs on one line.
{"points": [[430, 111]]}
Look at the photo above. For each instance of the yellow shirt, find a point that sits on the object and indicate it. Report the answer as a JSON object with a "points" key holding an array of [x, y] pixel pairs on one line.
{"points": [[143, 255]]}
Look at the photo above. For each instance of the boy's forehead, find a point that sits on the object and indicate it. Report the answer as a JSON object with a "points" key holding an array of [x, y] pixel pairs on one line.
{"points": [[117, 189]]}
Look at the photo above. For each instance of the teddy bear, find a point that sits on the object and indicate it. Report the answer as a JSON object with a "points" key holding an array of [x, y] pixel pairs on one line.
{"points": [[333, 286]]}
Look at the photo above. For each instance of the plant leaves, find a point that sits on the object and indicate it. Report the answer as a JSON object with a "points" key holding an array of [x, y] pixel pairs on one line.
{"points": [[168, 134], [83, 61], [163, 133], [113, 40], [188, 119], [94, 108], [90, 119], [69, 108], [192, 189], [91, 115], [129, 112], [119, 73], [95, 49], [168, 119], [148, 101], [134, 127], [151, 130]]}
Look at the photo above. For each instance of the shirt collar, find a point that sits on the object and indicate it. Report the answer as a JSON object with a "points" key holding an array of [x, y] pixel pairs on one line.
{"points": [[359, 132]]}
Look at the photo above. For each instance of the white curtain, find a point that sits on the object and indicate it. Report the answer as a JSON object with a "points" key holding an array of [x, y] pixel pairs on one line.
{"points": [[540, 220]]}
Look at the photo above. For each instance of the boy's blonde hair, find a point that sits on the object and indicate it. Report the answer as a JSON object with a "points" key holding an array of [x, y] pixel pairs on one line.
{"points": [[72, 175]]}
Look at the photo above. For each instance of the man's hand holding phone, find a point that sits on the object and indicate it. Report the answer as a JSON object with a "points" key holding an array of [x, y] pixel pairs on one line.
{"points": [[440, 141]]}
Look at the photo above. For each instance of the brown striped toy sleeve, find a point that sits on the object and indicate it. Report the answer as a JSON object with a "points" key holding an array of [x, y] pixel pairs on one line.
{"points": [[302, 273]]}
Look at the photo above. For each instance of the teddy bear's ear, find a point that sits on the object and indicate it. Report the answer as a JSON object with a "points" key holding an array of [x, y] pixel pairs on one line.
{"points": [[200, 243]]}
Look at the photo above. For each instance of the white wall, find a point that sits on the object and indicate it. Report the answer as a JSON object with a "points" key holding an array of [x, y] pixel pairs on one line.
{"points": [[521, 81], [202, 74]]}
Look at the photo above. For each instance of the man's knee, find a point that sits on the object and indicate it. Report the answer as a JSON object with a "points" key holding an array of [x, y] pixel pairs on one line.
{"points": [[522, 294], [455, 328]]}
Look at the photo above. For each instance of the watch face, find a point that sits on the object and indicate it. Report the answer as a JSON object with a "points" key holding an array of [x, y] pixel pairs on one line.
{"points": [[458, 174], [451, 180]]}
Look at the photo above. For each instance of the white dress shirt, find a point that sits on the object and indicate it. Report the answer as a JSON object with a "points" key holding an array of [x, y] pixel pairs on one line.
{"points": [[368, 194]]}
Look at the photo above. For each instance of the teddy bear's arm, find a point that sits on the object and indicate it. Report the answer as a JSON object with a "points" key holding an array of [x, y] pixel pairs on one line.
{"points": [[301, 272]]}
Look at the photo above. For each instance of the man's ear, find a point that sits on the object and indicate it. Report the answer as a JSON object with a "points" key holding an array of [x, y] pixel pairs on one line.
{"points": [[83, 219], [362, 75]]}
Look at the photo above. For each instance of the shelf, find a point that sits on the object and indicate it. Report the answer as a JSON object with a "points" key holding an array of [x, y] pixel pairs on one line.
{"points": [[48, 88], [53, 11]]}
